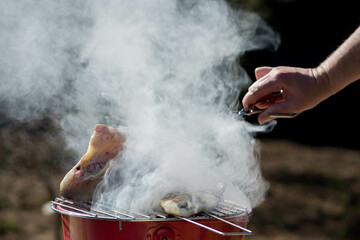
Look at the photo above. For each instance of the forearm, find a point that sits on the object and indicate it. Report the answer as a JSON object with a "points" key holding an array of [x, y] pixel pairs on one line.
{"points": [[342, 67]]}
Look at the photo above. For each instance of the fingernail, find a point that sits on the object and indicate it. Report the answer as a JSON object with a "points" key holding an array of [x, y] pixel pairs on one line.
{"points": [[253, 89], [261, 119]]}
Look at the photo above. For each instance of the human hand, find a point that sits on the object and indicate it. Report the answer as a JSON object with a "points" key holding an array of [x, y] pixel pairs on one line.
{"points": [[301, 88]]}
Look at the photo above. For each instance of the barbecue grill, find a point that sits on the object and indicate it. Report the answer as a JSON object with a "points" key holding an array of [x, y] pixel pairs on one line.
{"points": [[81, 221]]}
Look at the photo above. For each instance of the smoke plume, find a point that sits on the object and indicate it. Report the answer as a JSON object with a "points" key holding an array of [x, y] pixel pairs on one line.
{"points": [[163, 71]]}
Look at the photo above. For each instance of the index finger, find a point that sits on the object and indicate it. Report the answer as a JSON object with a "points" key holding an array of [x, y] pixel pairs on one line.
{"points": [[262, 88]]}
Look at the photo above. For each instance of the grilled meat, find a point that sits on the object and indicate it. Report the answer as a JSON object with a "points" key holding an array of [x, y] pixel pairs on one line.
{"points": [[105, 144], [186, 205], [80, 182]]}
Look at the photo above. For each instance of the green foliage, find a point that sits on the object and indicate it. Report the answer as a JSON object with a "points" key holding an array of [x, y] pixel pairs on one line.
{"points": [[7, 225]]}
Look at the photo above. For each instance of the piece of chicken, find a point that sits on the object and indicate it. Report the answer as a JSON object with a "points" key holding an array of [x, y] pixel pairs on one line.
{"points": [[186, 205], [80, 182]]}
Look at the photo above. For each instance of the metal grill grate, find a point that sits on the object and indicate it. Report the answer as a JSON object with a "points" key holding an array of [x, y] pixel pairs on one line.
{"points": [[84, 209], [224, 209]]}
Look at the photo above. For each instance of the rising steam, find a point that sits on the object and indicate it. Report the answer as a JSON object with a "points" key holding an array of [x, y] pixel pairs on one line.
{"points": [[163, 71]]}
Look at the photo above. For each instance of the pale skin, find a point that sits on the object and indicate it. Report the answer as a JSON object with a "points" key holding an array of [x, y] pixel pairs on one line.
{"points": [[305, 88]]}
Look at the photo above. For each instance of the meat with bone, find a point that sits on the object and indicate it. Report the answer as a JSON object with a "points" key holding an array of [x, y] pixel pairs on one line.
{"points": [[105, 144], [80, 182]]}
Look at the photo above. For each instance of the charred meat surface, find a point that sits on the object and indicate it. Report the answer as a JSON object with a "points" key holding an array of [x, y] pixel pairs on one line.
{"points": [[80, 182]]}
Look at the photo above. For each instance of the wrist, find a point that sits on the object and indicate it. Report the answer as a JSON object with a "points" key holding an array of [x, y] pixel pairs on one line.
{"points": [[324, 81]]}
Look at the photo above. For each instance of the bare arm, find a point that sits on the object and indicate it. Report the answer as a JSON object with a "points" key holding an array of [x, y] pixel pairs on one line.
{"points": [[342, 67], [305, 88]]}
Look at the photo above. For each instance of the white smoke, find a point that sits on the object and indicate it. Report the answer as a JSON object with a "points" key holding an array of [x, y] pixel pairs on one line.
{"points": [[164, 71]]}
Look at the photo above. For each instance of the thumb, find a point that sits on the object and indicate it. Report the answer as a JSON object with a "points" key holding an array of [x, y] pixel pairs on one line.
{"points": [[277, 108], [262, 71]]}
